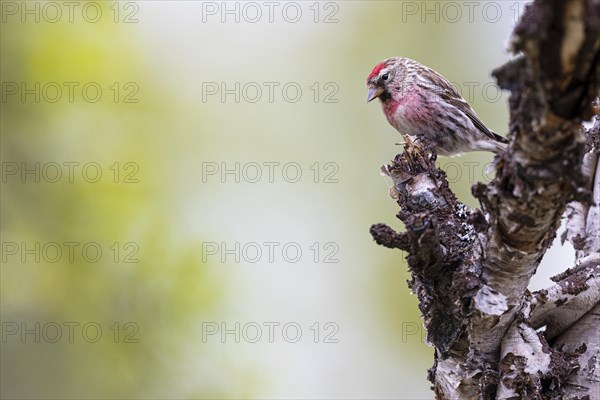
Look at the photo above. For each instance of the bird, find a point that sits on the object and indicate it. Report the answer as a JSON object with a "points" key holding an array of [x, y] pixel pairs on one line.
{"points": [[420, 103]]}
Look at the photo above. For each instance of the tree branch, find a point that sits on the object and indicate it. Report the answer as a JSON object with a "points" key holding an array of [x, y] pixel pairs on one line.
{"points": [[583, 219], [576, 292], [582, 339]]}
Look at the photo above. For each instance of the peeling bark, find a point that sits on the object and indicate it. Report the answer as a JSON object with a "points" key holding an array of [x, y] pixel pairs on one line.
{"points": [[576, 292], [583, 218], [583, 338], [471, 268]]}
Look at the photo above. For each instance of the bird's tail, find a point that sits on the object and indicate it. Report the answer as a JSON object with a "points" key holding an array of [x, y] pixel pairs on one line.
{"points": [[499, 138]]}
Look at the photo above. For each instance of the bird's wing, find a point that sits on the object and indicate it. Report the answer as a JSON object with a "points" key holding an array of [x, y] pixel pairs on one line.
{"points": [[466, 108], [451, 95]]}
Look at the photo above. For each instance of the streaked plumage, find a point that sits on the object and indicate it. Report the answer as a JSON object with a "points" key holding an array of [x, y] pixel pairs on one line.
{"points": [[416, 100]]}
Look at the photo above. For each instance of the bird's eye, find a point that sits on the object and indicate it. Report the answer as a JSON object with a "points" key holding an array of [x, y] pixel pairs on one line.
{"points": [[385, 76]]}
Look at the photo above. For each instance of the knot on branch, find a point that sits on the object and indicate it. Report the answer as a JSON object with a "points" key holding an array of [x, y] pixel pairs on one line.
{"points": [[386, 236]]}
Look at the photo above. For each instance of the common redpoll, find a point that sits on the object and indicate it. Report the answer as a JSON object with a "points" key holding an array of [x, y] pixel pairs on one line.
{"points": [[418, 101]]}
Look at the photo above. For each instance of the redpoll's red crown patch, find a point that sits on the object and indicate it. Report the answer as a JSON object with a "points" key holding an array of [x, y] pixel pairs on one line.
{"points": [[376, 71]]}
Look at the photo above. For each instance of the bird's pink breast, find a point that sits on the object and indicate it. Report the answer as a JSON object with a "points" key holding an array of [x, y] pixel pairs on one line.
{"points": [[406, 112]]}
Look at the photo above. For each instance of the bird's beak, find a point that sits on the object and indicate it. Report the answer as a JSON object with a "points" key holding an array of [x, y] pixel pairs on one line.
{"points": [[374, 93]]}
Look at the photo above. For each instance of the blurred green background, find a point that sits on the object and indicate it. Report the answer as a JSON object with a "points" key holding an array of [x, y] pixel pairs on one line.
{"points": [[138, 308]]}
